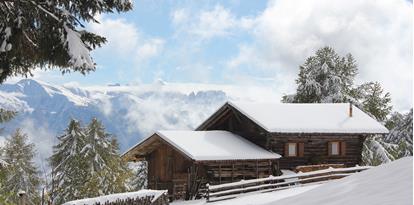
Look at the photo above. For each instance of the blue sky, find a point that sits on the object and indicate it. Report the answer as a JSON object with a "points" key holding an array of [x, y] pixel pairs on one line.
{"points": [[251, 42]]}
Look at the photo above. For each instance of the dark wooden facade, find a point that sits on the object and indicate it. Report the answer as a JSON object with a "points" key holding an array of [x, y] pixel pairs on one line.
{"points": [[185, 178], [313, 148]]}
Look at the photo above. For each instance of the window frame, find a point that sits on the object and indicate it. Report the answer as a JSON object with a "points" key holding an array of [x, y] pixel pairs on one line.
{"points": [[296, 149], [339, 151]]}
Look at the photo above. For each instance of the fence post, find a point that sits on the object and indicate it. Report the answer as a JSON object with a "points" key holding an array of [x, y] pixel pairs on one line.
{"points": [[208, 192], [22, 197]]}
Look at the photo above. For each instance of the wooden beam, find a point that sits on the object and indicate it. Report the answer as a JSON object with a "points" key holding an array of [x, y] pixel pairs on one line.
{"points": [[257, 169], [220, 173], [232, 172]]}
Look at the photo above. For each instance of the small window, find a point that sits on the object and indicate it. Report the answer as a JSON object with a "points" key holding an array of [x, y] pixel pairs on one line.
{"points": [[334, 148], [292, 149]]}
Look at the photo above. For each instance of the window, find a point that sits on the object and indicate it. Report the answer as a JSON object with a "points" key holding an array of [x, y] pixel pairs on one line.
{"points": [[336, 148], [292, 150]]}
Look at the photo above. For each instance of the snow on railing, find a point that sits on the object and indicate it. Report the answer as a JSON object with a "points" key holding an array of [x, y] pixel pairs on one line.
{"points": [[272, 183]]}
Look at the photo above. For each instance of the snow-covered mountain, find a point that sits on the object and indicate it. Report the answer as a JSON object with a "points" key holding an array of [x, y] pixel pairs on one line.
{"points": [[129, 112]]}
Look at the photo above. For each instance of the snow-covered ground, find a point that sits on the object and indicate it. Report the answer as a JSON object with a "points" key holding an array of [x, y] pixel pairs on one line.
{"points": [[114, 197], [250, 199], [387, 184]]}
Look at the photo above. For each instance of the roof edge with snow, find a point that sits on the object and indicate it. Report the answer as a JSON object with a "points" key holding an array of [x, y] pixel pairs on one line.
{"points": [[191, 151], [378, 129]]}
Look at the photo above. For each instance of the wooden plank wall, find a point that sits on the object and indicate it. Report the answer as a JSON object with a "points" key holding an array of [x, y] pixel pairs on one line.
{"points": [[316, 149], [168, 169]]}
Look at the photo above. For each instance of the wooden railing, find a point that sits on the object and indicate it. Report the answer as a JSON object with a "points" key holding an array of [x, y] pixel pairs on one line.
{"points": [[274, 183]]}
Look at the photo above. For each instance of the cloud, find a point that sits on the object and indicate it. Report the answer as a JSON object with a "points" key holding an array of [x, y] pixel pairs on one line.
{"points": [[377, 33], [207, 23], [125, 40]]}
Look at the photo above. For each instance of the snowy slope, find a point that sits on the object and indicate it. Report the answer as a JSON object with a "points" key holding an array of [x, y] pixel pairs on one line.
{"points": [[384, 185], [387, 184]]}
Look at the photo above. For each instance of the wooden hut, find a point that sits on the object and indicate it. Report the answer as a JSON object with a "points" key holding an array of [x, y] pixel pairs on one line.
{"points": [[184, 161], [305, 134], [251, 135]]}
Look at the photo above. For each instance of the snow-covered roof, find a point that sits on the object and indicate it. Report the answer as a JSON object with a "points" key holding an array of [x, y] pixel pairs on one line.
{"points": [[212, 145], [309, 118], [119, 196]]}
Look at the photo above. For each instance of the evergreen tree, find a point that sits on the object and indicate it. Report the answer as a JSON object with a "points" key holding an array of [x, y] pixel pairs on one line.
{"points": [[21, 174], [394, 120], [106, 171], [140, 173], [67, 164], [324, 78], [374, 100], [86, 164], [6, 115], [376, 151], [50, 34], [402, 135]]}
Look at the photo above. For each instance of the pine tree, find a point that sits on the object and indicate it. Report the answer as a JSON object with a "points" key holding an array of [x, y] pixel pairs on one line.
{"points": [[86, 164], [402, 134], [374, 100], [50, 34], [67, 164], [140, 175], [21, 174], [106, 171], [6, 115], [324, 78]]}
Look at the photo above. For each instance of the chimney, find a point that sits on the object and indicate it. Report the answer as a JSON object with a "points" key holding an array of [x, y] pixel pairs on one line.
{"points": [[350, 109]]}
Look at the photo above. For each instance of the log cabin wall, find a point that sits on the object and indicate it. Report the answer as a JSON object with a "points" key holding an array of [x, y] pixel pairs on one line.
{"points": [[315, 149]]}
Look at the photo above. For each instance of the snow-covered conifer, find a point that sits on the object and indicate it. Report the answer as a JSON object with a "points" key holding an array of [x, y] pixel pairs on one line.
{"points": [[20, 174], [374, 101], [402, 135], [107, 172], [68, 175], [324, 78], [50, 34]]}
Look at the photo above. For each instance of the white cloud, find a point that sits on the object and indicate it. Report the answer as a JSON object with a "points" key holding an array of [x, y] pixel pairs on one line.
{"points": [[207, 23], [377, 33], [124, 38]]}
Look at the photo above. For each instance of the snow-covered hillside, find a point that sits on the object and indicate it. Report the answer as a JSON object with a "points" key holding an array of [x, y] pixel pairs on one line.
{"points": [[130, 112], [386, 184]]}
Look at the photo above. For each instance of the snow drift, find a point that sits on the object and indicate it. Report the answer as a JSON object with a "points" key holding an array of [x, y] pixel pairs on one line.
{"points": [[115, 197], [386, 184]]}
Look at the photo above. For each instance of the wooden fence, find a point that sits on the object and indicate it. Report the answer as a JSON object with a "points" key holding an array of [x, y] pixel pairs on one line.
{"points": [[274, 183]]}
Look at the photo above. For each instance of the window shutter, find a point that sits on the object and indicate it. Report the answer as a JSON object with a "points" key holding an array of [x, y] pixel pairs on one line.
{"points": [[301, 149], [329, 148], [286, 149], [343, 148]]}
